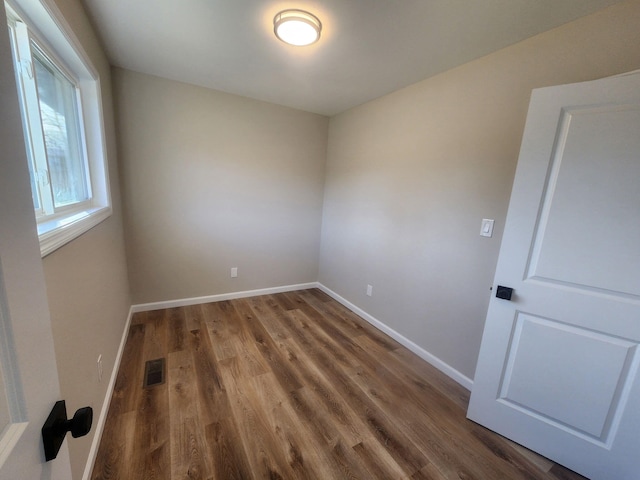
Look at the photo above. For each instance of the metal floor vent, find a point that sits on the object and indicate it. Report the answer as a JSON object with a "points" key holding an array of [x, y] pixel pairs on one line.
{"points": [[154, 372]]}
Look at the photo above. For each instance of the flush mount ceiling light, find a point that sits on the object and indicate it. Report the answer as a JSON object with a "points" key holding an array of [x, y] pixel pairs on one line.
{"points": [[297, 27]]}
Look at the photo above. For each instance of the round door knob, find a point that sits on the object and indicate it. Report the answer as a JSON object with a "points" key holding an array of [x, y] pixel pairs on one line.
{"points": [[80, 424]]}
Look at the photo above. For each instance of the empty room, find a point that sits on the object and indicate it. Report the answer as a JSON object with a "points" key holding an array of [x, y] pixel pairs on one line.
{"points": [[391, 239]]}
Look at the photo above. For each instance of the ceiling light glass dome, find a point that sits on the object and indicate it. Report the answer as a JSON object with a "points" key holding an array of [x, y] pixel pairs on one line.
{"points": [[297, 27]]}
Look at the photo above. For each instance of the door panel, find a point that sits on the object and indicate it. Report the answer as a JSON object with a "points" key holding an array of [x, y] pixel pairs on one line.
{"points": [[12, 415], [27, 356], [558, 365], [5, 413], [584, 237], [567, 358]]}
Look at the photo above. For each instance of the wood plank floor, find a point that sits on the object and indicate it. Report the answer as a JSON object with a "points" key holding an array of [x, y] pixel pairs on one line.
{"points": [[292, 386]]}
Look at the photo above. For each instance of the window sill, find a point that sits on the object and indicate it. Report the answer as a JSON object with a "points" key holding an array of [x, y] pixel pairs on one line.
{"points": [[53, 234]]}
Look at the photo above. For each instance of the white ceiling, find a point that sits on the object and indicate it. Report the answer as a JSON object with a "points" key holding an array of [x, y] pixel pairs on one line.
{"points": [[368, 47]]}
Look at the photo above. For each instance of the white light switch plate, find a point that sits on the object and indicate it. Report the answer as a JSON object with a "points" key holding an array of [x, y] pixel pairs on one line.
{"points": [[486, 229]]}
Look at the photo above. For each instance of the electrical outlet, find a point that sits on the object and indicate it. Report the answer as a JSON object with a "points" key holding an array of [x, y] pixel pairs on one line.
{"points": [[234, 272], [369, 290], [100, 371]]}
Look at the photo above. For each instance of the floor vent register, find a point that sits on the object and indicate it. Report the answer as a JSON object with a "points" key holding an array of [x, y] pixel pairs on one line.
{"points": [[154, 372]]}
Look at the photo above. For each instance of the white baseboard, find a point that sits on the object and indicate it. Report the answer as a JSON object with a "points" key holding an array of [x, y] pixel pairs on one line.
{"points": [[422, 353], [445, 368], [99, 425], [145, 307]]}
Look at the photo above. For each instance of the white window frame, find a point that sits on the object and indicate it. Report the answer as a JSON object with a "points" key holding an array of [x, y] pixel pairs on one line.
{"points": [[50, 31]]}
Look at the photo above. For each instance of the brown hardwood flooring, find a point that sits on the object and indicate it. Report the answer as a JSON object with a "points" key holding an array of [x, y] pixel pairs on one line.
{"points": [[292, 386]]}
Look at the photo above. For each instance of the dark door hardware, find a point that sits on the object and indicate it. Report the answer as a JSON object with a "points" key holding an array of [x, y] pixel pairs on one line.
{"points": [[57, 426], [504, 292]]}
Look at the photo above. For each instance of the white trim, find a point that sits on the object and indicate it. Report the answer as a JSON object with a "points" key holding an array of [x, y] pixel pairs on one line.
{"points": [[9, 439], [444, 367], [421, 352], [47, 25], [56, 233], [144, 307], [93, 452]]}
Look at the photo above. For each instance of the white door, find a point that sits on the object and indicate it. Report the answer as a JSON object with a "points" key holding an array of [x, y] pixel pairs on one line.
{"points": [[558, 365], [28, 375]]}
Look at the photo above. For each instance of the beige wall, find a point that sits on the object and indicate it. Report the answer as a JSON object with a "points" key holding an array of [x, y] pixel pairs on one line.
{"points": [[87, 285], [411, 175], [213, 181]]}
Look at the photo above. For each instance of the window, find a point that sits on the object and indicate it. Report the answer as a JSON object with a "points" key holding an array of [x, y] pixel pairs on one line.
{"points": [[62, 122]]}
